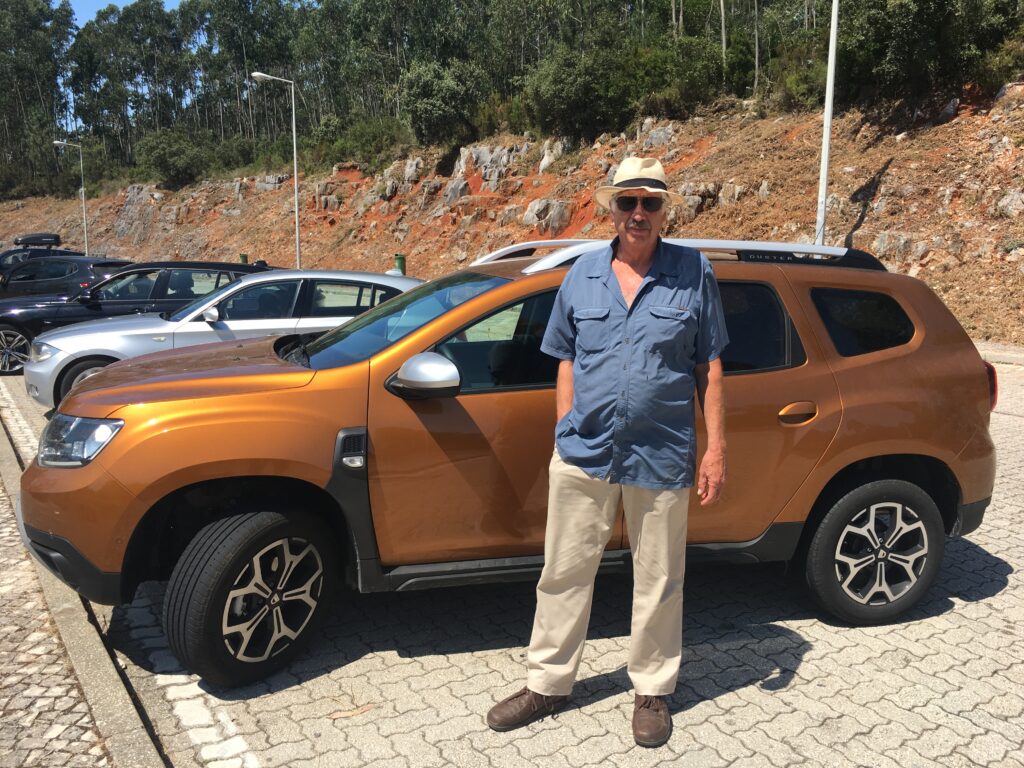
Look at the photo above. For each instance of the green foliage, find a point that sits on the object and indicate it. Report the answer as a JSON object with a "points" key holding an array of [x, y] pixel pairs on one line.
{"points": [[374, 142], [580, 95], [441, 100], [799, 80], [498, 115], [1004, 64], [173, 158], [369, 74]]}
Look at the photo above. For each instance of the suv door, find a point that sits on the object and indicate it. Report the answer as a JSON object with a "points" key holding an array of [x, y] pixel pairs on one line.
{"points": [[121, 294], [39, 277], [782, 405], [263, 309], [465, 478]]}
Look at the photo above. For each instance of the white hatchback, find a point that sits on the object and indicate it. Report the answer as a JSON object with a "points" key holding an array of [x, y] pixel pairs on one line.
{"points": [[262, 304]]}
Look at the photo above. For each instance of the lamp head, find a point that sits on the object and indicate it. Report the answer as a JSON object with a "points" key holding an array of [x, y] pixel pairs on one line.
{"points": [[260, 77]]}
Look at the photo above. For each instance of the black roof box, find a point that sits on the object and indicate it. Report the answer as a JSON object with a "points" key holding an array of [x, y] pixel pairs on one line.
{"points": [[38, 238]]}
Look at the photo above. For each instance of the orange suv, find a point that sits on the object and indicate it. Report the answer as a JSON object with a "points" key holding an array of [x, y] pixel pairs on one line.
{"points": [[408, 449]]}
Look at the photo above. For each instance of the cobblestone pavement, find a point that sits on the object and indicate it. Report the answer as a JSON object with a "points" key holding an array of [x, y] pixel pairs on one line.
{"points": [[767, 679], [45, 719]]}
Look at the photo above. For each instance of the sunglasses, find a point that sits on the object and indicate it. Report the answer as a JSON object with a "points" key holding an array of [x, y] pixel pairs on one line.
{"points": [[627, 203]]}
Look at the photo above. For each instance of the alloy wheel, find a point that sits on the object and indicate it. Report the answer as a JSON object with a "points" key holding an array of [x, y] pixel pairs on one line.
{"points": [[272, 600], [881, 553], [14, 349]]}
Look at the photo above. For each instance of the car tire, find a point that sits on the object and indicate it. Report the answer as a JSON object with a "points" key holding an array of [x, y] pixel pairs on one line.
{"points": [[14, 348], [876, 552], [226, 618], [75, 373]]}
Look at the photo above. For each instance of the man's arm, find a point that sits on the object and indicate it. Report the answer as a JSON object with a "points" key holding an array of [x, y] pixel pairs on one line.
{"points": [[711, 476], [563, 388]]}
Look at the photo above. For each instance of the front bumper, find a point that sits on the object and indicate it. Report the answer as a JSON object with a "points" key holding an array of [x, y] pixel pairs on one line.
{"points": [[69, 565], [40, 377]]}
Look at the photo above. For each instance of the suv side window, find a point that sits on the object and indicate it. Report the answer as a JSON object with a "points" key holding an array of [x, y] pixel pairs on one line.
{"points": [[761, 335], [135, 286], [43, 269], [862, 321], [264, 301], [502, 351], [336, 299]]}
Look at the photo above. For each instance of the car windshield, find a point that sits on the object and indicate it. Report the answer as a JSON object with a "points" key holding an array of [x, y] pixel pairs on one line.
{"points": [[191, 307], [393, 320]]}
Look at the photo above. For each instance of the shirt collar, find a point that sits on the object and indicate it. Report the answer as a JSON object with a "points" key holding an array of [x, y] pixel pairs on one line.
{"points": [[664, 263]]}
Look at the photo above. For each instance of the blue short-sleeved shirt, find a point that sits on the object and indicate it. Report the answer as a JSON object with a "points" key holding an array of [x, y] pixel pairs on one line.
{"points": [[632, 417]]}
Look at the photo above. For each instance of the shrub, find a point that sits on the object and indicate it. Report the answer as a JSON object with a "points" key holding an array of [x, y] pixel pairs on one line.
{"points": [[375, 141], [173, 158], [442, 100]]}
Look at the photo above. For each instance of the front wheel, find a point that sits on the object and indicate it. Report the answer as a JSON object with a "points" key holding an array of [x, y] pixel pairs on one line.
{"points": [[876, 552], [14, 348], [247, 593], [78, 372]]}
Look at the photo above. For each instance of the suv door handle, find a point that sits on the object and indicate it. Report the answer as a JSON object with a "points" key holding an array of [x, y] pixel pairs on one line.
{"points": [[795, 414]]}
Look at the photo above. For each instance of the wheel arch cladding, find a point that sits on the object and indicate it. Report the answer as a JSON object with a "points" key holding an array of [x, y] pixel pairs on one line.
{"points": [[926, 472], [166, 529]]}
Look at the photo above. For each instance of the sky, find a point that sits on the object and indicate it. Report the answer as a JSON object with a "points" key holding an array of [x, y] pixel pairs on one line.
{"points": [[85, 10]]}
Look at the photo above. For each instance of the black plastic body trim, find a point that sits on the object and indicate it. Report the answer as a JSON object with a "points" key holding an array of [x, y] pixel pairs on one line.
{"points": [[969, 516], [69, 565], [778, 543], [350, 487]]}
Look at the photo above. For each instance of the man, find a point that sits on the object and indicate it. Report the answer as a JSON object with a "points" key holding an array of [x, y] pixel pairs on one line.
{"points": [[639, 328]]}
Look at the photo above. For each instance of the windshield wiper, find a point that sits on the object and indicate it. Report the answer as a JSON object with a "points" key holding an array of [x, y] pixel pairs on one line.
{"points": [[297, 354]]}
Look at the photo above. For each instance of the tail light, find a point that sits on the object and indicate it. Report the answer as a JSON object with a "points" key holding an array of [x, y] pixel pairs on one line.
{"points": [[993, 385]]}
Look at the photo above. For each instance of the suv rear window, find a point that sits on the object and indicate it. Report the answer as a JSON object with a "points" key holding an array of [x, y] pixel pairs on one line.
{"points": [[862, 321], [761, 335]]}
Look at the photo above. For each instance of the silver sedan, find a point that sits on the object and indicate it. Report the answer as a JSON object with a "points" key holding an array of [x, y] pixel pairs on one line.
{"points": [[263, 304]]}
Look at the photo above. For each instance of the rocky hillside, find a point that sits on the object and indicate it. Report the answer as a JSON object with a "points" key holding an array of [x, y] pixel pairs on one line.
{"points": [[944, 202]]}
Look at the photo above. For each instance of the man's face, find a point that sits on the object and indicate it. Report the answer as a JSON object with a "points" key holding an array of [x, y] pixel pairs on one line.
{"points": [[639, 227]]}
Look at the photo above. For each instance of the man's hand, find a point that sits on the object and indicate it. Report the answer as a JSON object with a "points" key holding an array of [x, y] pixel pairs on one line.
{"points": [[711, 477]]}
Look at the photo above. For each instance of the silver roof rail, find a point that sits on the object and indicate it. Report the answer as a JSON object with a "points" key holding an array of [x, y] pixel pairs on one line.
{"points": [[743, 250], [526, 249]]}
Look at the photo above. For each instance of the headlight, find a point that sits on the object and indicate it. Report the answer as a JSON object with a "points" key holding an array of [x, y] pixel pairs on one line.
{"points": [[72, 441], [41, 351]]}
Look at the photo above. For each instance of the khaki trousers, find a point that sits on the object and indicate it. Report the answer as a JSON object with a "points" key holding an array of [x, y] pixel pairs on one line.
{"points": [[581, 513]]}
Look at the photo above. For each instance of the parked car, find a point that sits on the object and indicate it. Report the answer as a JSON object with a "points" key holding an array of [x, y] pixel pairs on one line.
{"points": [[56, 275], [408, 449], [159, 286], [265, 304], [33, 245]]}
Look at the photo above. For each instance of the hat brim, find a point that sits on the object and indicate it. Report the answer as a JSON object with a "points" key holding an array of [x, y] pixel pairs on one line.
{"points": [[604, 195]]}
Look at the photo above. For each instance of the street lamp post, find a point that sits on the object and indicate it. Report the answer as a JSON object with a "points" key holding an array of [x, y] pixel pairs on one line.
{"points": [[263, 78], [830, 81], [81, 167]]}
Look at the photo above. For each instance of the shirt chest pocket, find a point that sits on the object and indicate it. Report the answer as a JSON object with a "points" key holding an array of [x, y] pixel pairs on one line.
{"points": [[591, 329], [671, 328]]}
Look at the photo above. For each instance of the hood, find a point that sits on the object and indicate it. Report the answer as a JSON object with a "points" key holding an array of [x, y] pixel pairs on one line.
{"points": [[122, 326], [209, 370]]}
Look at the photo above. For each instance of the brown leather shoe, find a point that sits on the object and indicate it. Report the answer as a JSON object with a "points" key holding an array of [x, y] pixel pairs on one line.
{"points": [[522, 708], [651, 722]]}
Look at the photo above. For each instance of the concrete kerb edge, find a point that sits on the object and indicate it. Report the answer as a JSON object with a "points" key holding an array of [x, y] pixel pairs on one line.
{"points": [[123, 733], [1008, 354]]}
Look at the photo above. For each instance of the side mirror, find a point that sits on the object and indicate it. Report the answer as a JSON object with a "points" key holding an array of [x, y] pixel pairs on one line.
{"points": [[426, 375], [211, 314]]}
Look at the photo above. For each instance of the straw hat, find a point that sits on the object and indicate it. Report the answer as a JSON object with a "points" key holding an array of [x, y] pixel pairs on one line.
{"points": [[635, 174]]}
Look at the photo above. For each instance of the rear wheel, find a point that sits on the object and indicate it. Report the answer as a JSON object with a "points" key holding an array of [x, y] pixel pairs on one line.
{"points": [[14, 349], [877, 552], [247, 593]]}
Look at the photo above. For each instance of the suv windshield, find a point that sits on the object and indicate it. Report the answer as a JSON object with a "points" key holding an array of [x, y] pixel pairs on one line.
{"points": [[382, 326]]}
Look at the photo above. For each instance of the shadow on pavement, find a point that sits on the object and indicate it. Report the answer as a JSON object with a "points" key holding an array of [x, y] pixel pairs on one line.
{"points": [[732, 638]]}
